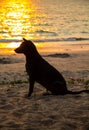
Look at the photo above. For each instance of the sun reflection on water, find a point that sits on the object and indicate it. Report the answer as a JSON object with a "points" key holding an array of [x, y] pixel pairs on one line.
{"points": [[13, 45], [16, 18]]}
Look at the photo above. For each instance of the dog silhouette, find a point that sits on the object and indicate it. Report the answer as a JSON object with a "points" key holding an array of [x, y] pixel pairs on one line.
{"points": [[39, 70]]}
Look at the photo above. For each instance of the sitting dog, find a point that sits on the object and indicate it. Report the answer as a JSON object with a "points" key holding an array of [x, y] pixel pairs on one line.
{"points": [[39, 70]]}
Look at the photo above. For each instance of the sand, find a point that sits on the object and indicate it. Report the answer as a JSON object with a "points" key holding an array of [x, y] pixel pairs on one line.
{"points": [[39, 112]]}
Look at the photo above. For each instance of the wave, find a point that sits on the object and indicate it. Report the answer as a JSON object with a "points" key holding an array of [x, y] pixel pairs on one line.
{"points": [[42, 32], [45, 40], [9, 40]]}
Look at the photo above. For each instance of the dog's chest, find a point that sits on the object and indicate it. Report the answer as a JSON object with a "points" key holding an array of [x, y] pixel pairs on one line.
{"points": [[28, 68]]}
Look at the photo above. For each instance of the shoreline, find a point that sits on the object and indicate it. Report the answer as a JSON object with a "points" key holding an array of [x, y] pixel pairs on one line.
{"points": [[50, 47]]}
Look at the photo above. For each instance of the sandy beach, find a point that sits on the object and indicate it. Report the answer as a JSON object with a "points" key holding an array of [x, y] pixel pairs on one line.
{"points": [[39, 112]]}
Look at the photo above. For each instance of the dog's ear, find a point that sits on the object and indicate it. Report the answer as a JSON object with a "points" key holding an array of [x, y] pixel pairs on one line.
{"points": [[24, 40]]}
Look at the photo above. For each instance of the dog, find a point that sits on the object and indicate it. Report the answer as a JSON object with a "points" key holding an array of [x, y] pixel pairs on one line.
{"points": [[39, 70]]}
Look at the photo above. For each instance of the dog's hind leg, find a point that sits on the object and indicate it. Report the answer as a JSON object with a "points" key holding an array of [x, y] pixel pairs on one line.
{"points": [[59, 88]]}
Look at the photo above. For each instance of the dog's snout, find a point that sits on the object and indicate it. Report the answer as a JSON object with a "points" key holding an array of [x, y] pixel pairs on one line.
{"points": [[16, 50]]}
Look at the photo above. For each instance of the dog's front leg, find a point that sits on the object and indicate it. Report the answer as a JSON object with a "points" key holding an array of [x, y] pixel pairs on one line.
{"points": [[31, 86]]}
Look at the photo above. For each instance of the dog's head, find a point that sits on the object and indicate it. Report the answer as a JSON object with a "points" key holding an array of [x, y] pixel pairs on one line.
{"points": [[25, 47]]}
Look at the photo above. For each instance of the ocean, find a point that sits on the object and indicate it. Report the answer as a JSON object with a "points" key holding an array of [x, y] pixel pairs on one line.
{"points": [[52, 21]]}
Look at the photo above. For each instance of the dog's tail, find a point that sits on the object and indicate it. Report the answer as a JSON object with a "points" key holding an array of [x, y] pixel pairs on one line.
{"points": [[78, 92]]}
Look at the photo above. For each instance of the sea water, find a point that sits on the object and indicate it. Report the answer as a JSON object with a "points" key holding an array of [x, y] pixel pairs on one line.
{"points": [[43, 21]]}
